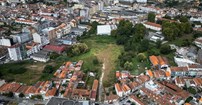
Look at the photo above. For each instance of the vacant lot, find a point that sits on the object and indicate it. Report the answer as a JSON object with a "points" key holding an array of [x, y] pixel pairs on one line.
{"points": [[27, 72], [105, 50]]}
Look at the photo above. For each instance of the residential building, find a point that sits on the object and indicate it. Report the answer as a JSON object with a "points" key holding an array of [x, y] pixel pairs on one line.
{"points": [[158, 61], [111, 99], [5, 41], [94, 90], [135, 100], [22, 37], [119, 90], [15, 52], [153, 26], [50, 32], [54, 48]]}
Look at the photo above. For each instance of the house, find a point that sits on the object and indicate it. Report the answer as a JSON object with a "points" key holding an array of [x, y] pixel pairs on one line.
{"points": [[32, 48], [54, 48], [119, 90], [134, 86], [126, 89], [50, 93], [41, 56], [94, 90], [149, 72], [80, 94], [158, 61], [153, 26], [179, 82], [24, 21], [134, 99], [9, 87], [62, 30], [122, 74], [198, 81], [104, 30], [178, 71], [111, 99], [198, 42]]}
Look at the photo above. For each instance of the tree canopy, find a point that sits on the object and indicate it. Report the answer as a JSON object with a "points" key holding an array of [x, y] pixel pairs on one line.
{"points": [[151, 17]]}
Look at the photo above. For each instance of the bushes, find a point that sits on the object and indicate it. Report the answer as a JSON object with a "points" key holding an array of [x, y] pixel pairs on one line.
{"points": [[78, 49], [10, 94], [37, 97], [165, 49], [17, 70], [48, 69]]}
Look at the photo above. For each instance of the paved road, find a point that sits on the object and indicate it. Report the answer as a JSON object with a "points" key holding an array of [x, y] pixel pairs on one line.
{"points": [[101, 79]]}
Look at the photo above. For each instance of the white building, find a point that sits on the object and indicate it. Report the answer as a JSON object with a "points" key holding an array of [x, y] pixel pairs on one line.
{"points": [[41, 56], [141, 1], [104, 30], [5, 42], [100, 5], [42, 39], [198, 42], [14, 52], [152, 26]]}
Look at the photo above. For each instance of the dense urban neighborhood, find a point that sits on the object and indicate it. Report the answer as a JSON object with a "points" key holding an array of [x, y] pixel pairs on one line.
{"points": [[101, 52]]}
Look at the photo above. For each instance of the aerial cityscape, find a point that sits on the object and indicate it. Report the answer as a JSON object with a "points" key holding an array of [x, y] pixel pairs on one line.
{"points": [[100, 52]]}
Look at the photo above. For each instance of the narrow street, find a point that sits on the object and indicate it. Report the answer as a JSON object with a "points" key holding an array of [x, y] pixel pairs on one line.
{"points": [[101, 80]]}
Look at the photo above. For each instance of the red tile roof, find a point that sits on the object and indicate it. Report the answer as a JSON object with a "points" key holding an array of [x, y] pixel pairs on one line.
{"points": [[136, 100], [153, 24], [51, 92], [54, 48], [118, 87]]}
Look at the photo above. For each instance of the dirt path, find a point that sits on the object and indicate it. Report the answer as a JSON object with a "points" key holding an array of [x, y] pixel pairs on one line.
{"points": [[101, 79]]}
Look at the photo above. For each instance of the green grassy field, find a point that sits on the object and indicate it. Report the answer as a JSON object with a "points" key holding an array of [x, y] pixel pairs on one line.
{"points": [[32, 74], [101, 47]]}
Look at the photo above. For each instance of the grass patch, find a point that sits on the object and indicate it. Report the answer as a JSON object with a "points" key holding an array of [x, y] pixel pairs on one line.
{"points": [[27, 72]]}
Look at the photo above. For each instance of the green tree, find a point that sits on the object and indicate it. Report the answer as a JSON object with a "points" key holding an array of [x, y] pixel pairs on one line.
{"points": [[48, 69], [165, 49], [128, 65], [151, 17], [158, 43], [79, 48], [21, 95], [141, 57], [184, 19]]}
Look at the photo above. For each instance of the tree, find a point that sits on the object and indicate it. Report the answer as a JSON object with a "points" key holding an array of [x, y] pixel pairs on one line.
{"points": [[158, 43], [128, 65], [165, 49], [48, 69], [151, 17], [79, 48], [93, 28], [21, 95], [141, 57], [95, 61], [184, 19]]}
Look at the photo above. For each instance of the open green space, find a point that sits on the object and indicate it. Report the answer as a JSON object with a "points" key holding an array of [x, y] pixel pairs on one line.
{"points": [[28, 72]]}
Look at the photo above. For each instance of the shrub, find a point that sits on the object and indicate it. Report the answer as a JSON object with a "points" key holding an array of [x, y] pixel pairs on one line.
{"points": [[17, 70], [48, 69]]}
